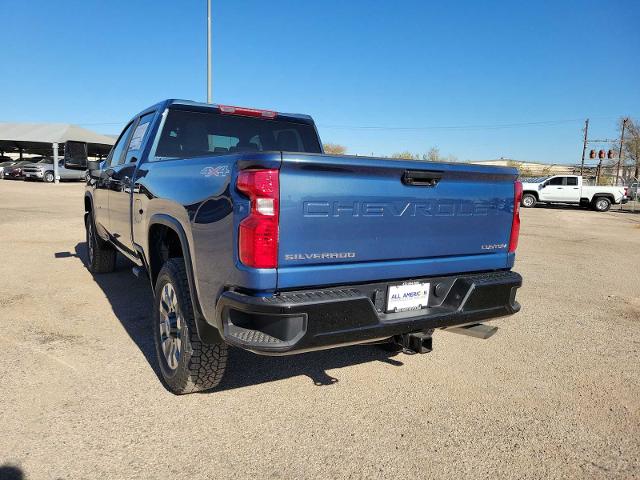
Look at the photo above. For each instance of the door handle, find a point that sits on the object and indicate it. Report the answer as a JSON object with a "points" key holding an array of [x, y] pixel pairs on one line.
{"points": [[421, 178]]}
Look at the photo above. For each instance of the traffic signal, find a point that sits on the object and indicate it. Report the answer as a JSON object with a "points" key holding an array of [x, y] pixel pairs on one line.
{"points": [[611, 154], [592, 154], [601, 154]]}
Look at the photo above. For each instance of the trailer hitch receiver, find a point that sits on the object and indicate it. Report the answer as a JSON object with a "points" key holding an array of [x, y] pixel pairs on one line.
{"points": [[417, 342]]}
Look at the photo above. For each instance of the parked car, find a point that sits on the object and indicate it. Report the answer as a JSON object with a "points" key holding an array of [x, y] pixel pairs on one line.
{"points": [[6, 163], [571, 190], [43, 170], [14, 172], [252, 237], [633, 191]]}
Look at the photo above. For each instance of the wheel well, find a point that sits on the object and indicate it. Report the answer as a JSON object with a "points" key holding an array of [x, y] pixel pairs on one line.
{"points": [[164, 243], [535, 194], [608, 196], [87, 204]]}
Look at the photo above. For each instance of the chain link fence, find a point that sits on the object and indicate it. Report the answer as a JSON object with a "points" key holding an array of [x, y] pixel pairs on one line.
{"points": [[633, 194]]}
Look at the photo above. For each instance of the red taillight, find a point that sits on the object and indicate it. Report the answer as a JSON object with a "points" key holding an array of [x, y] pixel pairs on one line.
{"points": [[258, 233], [247, 112], [515, 225]]}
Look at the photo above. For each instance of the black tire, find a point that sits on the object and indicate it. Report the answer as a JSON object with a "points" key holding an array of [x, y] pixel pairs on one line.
{"points": [[49, 177], [101, 257], [601, 204], [529, 200], [195, 366]]}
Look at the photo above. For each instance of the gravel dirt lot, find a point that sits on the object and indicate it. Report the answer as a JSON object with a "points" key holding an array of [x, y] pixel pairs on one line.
{"points": [[554, 394]]}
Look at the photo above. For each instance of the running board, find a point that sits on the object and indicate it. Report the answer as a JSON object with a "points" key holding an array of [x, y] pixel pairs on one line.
{"points": [[477, 330]]}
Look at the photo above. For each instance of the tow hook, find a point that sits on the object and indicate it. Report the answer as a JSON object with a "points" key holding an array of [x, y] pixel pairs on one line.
{"points": [[417, 342]]}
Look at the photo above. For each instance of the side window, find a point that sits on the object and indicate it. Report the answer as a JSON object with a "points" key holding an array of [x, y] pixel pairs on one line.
{"points": [[118, 148], [288, 140], [221, 143], [572, 181], [256, 141], [556, 181], [138, 138]]}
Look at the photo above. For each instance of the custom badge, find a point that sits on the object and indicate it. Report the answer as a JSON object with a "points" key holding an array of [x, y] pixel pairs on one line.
{"points": [[219, 171]]}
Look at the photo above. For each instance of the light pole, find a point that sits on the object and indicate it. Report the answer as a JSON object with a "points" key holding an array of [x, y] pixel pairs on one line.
{"points": [[209, 89]]}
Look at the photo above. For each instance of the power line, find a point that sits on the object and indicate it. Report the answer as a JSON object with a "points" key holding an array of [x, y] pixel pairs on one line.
{"points": [[457, 127]]}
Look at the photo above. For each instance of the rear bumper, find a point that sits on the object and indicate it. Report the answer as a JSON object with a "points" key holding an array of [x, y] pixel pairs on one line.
{"points": [[298, 321]]}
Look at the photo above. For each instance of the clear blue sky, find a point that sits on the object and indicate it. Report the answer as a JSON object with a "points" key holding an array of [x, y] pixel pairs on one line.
{"points": [[415, 64]]}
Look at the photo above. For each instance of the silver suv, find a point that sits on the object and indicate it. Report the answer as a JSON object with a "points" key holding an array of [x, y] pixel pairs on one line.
{"points": [[43, 170]]}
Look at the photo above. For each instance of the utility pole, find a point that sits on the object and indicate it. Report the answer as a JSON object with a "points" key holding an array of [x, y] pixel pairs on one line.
{"points": [[620, 152], [209, 81], [584, 145]]}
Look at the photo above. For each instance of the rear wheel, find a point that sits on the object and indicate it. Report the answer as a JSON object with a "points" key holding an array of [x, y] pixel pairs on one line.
{"points": [[101, 257], [186, 363], [601, 204], [529, 200]]}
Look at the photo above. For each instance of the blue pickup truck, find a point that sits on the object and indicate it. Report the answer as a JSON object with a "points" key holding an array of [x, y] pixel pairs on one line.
{"points": [[252, 237]]}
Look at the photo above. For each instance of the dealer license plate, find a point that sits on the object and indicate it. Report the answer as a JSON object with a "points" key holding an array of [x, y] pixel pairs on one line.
{"points": [[408, 296]]}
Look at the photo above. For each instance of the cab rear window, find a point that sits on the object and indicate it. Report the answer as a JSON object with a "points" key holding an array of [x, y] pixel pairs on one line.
{"points": [[193, 134]]}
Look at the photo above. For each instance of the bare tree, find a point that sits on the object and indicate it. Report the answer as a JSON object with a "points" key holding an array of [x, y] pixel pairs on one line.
{"points": [[334, 149], [406, 155], [433, 155], [631, 147]]}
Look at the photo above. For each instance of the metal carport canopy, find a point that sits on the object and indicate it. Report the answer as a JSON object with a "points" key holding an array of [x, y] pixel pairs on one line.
{"points": [[38, 138]]}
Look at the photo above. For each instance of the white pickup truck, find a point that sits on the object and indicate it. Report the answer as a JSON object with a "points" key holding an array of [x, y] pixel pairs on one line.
{"points": [[570, 189]]}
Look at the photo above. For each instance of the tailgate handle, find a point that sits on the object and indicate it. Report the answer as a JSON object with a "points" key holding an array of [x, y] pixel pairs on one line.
{"points": [[421, 178]]}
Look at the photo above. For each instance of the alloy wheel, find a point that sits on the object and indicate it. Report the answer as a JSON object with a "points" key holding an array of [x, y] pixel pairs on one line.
{"points": [[171, 326], [90, 240]]}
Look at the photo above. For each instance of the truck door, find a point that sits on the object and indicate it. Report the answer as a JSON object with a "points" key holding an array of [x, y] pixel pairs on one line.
{"points": [[121, 184], [65, 173], [103, 183], [571, 190], [552, 190]]}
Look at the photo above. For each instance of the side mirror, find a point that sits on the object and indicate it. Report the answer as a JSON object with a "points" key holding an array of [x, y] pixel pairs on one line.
{"points": [[93, 165], [74, 164], [75, 155]]}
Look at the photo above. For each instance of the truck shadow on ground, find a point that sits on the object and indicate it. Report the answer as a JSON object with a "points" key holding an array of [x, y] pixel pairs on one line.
{"points": [[565, 206], [11, 472], [131, 300]]}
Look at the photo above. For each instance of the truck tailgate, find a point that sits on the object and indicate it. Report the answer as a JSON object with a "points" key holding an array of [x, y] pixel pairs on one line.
{"points": [[352, 219]]}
